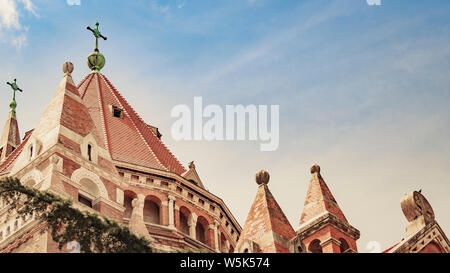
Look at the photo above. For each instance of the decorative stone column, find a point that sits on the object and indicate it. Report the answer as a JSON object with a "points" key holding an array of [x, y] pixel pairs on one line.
{"points": [[136, 224], [216, 235], [192, 225], [226, 248], [171, 211]]}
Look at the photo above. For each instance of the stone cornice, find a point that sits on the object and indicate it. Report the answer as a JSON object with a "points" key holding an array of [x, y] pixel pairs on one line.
{"points": [[324, 220], [186, 183], [409, 244]]}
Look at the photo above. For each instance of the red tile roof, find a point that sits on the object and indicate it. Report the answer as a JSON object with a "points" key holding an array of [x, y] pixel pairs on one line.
{"points": [[389, 249], [128, 139], [8, 163]]}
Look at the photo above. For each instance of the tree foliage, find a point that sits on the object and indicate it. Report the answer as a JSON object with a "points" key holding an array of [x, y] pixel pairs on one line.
{"points": [[66, 224]]}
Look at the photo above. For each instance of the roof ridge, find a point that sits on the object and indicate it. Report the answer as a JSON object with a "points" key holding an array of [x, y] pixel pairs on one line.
{"points": [[83, 80], [267, 191], [87, 85], [102, 116]]}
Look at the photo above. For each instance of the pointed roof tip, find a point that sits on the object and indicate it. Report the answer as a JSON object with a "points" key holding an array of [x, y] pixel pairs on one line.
{"points": [[67, 82], [262, 177], [319, 198], [315, 169], [67, 68], [266, 217], [191, 165]]}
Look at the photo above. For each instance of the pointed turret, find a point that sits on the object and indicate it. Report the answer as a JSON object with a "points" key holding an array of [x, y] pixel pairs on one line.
{"points": [[10, 137], [323, 226], [319, 199], [266, 230], [66, 122]]}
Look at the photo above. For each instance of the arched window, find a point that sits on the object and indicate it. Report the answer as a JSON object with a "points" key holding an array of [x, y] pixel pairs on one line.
{"points": [[31, 152], [184, 216], [299, 249], [128, 197], [344, 245], [200, 233], [200, 230], [315, 247], [151, 212], [246, 250], [88, 192]]}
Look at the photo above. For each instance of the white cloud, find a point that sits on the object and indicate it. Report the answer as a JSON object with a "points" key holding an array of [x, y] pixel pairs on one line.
{"points": [[10, 13], [159, 8], [374, 2], [9, 16], [74, 2], [181, 4], [19, 41]]}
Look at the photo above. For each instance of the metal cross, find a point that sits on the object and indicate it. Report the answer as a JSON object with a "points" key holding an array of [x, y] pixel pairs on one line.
{"points": [[14, 88], [97, 35]]}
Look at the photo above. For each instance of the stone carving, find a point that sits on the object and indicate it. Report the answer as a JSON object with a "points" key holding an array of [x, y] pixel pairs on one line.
{"points": [[67, 68], [415, 205]]}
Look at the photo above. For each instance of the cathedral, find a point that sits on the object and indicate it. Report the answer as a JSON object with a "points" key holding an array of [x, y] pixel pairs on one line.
{"points": [[92, 147]]}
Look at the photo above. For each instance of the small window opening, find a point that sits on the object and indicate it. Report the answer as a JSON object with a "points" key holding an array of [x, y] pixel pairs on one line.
{"points": [[85, 201], [117, 112], [89, 150], [31, 152]]}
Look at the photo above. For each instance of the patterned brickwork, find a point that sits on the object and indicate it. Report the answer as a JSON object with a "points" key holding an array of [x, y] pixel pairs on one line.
{"points": [[266, 224]]}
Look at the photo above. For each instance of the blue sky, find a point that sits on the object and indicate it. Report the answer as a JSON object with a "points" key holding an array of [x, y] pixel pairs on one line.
{"points": [[364, 90]]}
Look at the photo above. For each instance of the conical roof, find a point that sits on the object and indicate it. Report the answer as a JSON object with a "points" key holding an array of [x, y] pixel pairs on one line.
{"points": [[124, 134], [10, 137]]}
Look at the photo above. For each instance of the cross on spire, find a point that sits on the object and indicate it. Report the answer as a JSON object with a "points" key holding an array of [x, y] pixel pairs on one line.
{"points": [[97, 35], [15, 88]]}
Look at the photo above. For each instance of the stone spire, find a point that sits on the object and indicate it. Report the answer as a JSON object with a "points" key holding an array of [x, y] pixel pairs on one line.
{"points": [[323, 226], [319, 199], [65, 121], [266, 230], [10, 138]]}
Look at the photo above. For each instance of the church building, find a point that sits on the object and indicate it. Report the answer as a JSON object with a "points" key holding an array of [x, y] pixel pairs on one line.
{"points": [[92, 147]]}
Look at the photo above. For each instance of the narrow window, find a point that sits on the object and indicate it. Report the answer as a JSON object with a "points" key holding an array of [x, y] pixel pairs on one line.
{"points": [[89, 152], [31, 152], [85, 201]]}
